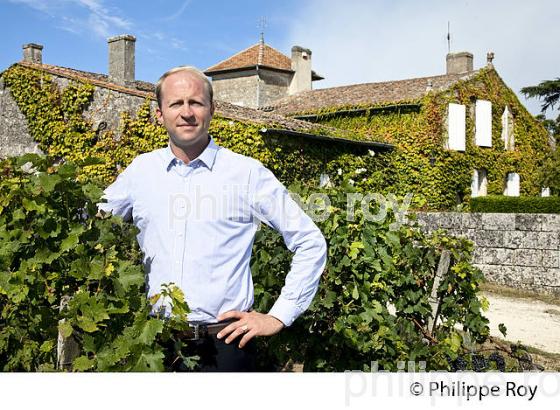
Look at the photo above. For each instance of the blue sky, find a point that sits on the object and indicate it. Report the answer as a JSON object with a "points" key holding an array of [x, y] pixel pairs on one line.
{"points": [[353, 41], [168, 32]]}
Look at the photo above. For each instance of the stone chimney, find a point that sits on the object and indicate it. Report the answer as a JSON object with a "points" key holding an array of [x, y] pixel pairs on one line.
{"points": [[33, 53], [301, 65], [121, 58], [458, 63]]}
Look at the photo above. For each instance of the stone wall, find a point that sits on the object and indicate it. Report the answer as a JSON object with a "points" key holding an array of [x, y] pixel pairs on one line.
{"points": [[274, 85], [238, 88], [107, 106], [516, 250], [14, 135]]}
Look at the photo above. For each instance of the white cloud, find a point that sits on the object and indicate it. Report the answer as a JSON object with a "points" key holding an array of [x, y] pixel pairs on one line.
{"points": [[356, 41], [178, 13], [96, 17], [82, 16], [100, 13]]}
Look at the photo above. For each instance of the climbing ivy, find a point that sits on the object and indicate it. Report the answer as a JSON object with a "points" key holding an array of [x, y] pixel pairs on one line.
{"points": [[423, 166], [54, 118]]}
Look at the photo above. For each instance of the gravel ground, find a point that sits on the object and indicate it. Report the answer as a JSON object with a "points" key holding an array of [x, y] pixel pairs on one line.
{"points": [[531, 322]]}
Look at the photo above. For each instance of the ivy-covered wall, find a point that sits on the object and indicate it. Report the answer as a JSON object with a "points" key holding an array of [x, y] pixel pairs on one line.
{"points": [[56, 121], [441, 178]]}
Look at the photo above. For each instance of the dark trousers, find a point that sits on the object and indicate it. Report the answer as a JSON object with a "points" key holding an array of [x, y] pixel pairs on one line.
{"points": [[214, 355]]}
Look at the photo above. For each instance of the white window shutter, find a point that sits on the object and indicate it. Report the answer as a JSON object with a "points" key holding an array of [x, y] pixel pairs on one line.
{"points": [[512, 184], [456, 127], [483, 123]]}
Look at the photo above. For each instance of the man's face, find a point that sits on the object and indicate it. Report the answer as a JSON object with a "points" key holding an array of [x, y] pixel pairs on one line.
{"points": [[185, 111]]}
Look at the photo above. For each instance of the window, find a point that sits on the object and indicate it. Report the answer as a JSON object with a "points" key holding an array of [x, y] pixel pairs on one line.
{"points": [[456, 127], [507, 130], [483, 123], [479, 184], [512, 184]]}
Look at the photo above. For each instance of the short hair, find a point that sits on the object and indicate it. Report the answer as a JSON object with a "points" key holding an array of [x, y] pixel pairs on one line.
{"points": [[187, 69]]}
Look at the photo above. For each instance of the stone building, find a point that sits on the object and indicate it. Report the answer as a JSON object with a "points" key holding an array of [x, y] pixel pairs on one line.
{"points": [[259, 75], [480, 123], [115, 93], [466, 116]]}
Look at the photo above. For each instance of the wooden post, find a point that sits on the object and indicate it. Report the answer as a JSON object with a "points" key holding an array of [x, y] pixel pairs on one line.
{"points": [[67, 348], [442, 269]]}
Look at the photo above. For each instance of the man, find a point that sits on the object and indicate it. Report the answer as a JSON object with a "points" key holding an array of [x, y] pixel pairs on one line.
{"points": [[197, 207]]}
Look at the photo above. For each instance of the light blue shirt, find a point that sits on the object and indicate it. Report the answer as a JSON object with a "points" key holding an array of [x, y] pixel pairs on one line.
{"points": [[197, 225]]}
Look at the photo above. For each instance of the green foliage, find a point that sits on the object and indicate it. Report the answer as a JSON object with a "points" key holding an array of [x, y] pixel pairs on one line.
{"points": [[298, 160], [551, 125], [370, 268], [551, 172], [511, 204], [548, 90], [54, 118], [53, 249], [44, 219]]}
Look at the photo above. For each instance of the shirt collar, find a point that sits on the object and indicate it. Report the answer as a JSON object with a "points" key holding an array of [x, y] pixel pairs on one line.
{"points": [[207, 157]]}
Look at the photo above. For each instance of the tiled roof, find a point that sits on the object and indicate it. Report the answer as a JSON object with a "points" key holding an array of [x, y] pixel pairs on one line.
{"points": [[236, 112], [363, 94], [269, 57], [289, 126], [138, 88]]}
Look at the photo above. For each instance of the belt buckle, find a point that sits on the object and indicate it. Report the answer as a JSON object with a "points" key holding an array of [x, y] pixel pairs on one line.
{"points": [[200, 331]]}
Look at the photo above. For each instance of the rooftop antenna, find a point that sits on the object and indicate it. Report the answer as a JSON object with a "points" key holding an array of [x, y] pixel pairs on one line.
{"points": [[448, 37], [261, 25]]}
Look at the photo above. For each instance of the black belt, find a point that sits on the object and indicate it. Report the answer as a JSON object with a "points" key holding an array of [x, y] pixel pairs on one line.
{"points": [[197, 331]]}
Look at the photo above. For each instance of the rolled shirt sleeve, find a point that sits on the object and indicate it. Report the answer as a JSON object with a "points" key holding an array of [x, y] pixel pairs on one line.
{"points": [[273, 205]]}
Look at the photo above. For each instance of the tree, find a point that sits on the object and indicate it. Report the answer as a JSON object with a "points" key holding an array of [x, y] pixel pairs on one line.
{"points": [[552, 126], [551, 172], [548, 90]]}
